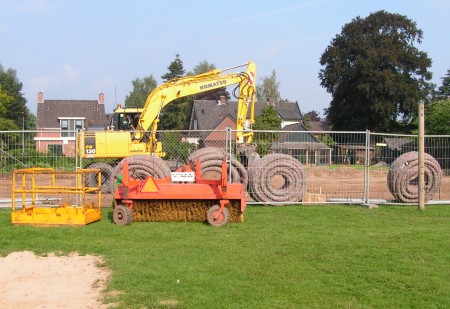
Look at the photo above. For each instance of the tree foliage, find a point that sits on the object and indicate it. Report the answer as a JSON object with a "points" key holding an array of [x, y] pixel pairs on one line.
{"points": [[444, 90], [175, 115], [12, 103], [437, 118], [203, 67], [5, 101], [309, 117], [375, 74], [268, 89], [141, 90], [175, 69], [268, 120], [313, 115], [174, 148], [7, 125]]}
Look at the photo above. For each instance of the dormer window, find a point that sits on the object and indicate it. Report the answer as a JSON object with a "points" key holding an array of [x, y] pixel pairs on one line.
{"points": [[70, 125]]}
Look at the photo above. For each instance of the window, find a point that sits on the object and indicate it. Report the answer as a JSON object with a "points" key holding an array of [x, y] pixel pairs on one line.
{"points": [[69, 126], [54, 150], [78, 124]]}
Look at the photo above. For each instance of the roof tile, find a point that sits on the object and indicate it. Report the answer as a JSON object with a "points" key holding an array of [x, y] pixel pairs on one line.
{"points": [[49, 111]]}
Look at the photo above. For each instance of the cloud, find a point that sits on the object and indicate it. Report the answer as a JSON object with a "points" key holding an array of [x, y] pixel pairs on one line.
{"points": [[53, 81], [71, 73], [40, 83]]}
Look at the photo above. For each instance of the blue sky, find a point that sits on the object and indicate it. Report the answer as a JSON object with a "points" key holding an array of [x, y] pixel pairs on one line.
{"points": [[76, 49]]}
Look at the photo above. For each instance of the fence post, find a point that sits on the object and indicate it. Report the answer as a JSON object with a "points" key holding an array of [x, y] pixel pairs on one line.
{"points": [[421, 156], [366, 167], [228, 149]]}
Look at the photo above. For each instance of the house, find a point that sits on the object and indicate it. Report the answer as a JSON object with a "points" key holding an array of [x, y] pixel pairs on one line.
{"points": [[210, 118], [295, 140], [289, 112], [392, 147], [57, 121]]}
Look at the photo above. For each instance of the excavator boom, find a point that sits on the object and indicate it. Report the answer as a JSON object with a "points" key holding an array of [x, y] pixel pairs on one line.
{"points": [[185, 86]]}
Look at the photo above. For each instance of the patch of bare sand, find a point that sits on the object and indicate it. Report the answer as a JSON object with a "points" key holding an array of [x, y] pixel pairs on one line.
{"points": [[73, 281]]}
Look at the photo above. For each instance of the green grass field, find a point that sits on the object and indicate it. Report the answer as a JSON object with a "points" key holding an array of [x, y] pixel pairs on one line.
{"points": [[280, 257]]}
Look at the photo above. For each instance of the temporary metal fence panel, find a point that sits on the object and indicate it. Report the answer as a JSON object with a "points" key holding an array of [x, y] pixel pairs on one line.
{"points": [[334, 162], [29, 149], [387, 148], [341, 167]]}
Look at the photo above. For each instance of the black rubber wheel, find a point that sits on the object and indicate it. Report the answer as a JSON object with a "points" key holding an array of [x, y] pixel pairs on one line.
{"points": [[218, 219], [122, 215], [106, 170]]}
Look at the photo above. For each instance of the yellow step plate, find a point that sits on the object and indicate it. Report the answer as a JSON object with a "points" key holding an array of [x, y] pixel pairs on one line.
{"points": [[56, 216]]}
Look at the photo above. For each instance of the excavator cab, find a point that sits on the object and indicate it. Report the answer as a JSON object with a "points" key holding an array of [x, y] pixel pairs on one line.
{"points": [[125, 119]]}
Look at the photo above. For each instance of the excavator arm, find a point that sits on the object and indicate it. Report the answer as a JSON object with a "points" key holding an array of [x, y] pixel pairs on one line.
{"points": [[185, 86]]}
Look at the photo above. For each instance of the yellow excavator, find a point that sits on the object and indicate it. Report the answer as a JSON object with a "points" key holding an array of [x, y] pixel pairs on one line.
{"points": [[131, 143], [133, 131]]}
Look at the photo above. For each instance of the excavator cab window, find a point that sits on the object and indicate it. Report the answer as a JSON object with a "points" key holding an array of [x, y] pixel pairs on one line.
{"points": [[125, 122], [128, 121]]}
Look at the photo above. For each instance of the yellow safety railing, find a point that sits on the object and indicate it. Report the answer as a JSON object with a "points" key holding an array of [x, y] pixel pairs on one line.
{"points": [[34, 181]]}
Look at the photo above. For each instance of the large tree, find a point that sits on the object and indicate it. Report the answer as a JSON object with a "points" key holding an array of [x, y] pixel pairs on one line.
{"points": [[175, 69], [141, 89], [375, 74], [12, 101], [268, 89], [175, 115]]}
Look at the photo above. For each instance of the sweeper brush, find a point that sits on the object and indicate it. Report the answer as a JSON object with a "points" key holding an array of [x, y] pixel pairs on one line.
{"points": [[183, 196]]}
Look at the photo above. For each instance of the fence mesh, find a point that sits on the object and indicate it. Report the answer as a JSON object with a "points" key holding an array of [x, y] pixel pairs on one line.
{"points": [[338, 167]]}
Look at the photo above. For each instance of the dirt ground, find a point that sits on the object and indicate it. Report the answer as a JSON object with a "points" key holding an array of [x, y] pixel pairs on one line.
{"points": [[348, 183], [30, 281], [341, 183]]}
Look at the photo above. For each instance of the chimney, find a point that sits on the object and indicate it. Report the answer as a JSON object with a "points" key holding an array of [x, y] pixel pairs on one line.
{"points": [[270, 101], [101, 98], [40, 97], [222, 100]]}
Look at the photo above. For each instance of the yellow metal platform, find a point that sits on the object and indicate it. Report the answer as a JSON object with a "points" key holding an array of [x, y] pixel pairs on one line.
{"points": [[43, 181]]}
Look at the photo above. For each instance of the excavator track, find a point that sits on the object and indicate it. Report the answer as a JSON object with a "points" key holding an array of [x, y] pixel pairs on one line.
{"points": [[180, 210]]}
